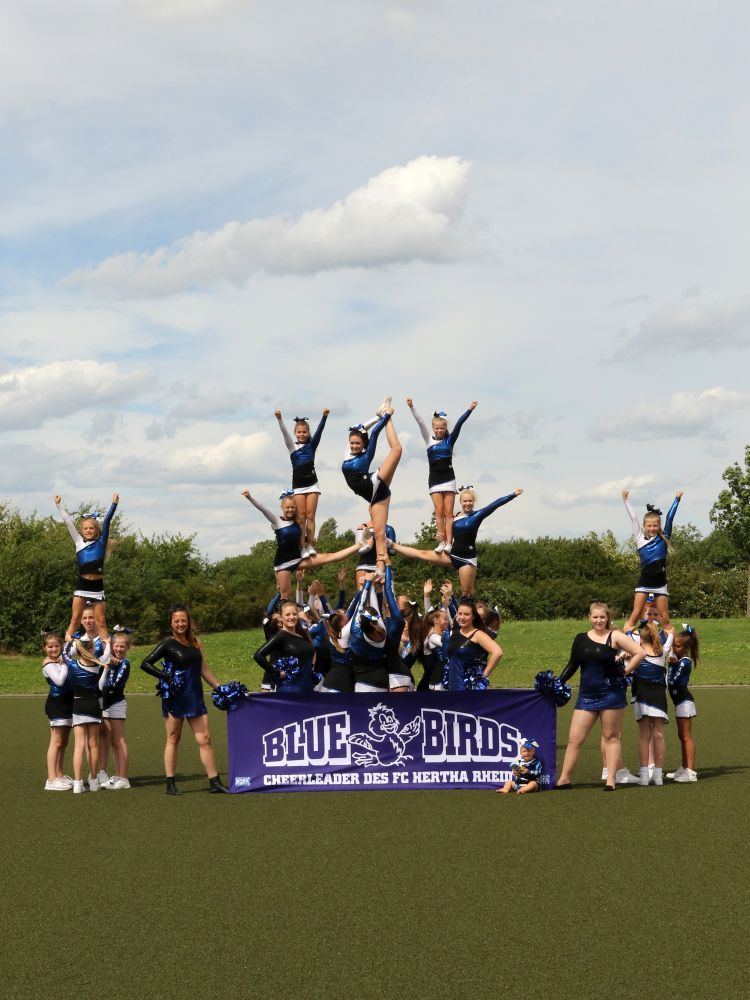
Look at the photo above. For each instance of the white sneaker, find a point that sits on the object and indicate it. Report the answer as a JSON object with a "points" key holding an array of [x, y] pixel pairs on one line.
{"points": [[605, 773], [116, 783], [448, 548], [643, 778], [311, 550], [56, 785], [440, 547], [676, 774], [386, 403], [103, 778], [305, 551], [657, 777], [650, 771], [93, 784], [363, 549], [687, 776], [78, 787], [626, 777]]}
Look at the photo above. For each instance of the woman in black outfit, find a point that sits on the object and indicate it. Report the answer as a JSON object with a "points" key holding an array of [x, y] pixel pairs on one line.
{"points": [[289, 655]]}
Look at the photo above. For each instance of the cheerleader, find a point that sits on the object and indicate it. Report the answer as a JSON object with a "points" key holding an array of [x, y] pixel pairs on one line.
{"points": [[288, 558], [399, 661], [289, 655], [526, 770], [686, 656], [601, 694], [471, 655], [374, 487], [91, 549], [304, 477], [442, 478], [435, 628], [340, 676], [182, 656], [114, 709], [59, 710], [650, 704], [463, 556], [653, 547], [365, 634], [368, 562], [84, 670]]}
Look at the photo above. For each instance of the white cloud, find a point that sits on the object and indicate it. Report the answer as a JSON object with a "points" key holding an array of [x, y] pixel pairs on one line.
{"points": [[31, 396], [693, 326], [686, 414], [602, 493], [237, 458], [405, 213]]}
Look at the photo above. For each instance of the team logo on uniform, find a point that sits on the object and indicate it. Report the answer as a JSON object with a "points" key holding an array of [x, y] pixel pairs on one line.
{"points": [[384, 744]]}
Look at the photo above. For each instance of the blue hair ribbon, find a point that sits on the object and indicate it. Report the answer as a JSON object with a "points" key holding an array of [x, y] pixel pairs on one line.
{"points": [[441, 414], [286, 493]]}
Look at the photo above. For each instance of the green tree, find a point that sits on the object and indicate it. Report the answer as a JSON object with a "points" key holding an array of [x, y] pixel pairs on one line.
{"points": [[731, 512]]}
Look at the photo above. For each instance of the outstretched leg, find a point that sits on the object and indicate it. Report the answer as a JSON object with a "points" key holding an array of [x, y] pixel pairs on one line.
{"points": [[424, 555]]}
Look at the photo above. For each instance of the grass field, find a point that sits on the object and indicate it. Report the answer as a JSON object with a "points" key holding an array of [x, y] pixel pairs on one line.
{"points": [[528, 647], [435, 893]]}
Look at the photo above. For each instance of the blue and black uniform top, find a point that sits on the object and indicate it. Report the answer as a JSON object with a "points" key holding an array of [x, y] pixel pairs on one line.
{"points": [[356, 468], [466, 528], [652, 552], [533, 771], [440, 451], [288, 537], [114, 685], [303, 456], [292, 655], [89, 555]]}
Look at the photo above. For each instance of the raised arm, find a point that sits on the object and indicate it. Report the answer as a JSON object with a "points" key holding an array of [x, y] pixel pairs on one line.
{"points": [[492, 507], [108, 517], [453, 436], [268, 514], [426, 435], [637, 532], [285, 432], [375, 434], [671, 513], [390, 597], [315, 440], [69, 523]]}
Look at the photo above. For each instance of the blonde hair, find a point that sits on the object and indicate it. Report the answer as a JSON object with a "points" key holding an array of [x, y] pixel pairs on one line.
{"points": [[652, 637], [605, 607]]}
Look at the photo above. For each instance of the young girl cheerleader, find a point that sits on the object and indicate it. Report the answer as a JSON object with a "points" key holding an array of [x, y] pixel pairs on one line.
{"points": [[526, 770], [59, 710], [84, 669], [288, 558], [651, 702], [653, 547], [182, 654], [442, 478], [435, 626], [463, 555], [374, 487], [686, 655], [304, 477], [340, 676], [91, 549], [114, 708], [289, 655]]}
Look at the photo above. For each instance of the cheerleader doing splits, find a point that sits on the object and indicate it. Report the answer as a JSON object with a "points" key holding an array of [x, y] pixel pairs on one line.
{"points": [[463, 556], [653, 547], [91, 548], [442, 478], [288, 558], [374, 487], [304, 477]]}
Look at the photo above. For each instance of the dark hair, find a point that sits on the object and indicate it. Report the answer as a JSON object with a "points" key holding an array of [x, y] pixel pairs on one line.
{"points": [[192, 633], [298, 630], [489, 615], [46, 636], [360, 434], [476, 618], [334, 624], [691, 638]]}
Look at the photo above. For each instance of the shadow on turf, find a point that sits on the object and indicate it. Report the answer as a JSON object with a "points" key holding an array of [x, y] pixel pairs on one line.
{"points": [[158, 779]]}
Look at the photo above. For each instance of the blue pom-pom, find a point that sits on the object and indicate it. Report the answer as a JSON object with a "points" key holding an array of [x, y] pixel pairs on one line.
{"points": [[171, 682], [288, 665], [227, 697], [545, 682]]}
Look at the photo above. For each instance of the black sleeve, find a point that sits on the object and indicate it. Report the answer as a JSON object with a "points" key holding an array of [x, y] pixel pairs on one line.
{"points": [[262, 656], [160, 653], [573, 663]]}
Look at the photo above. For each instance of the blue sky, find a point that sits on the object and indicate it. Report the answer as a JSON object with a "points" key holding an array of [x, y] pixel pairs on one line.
{"points": [[211, 208]]}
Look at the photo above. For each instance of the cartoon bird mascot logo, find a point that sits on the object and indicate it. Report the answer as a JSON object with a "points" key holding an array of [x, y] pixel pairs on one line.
{"points": [[386, 743]]}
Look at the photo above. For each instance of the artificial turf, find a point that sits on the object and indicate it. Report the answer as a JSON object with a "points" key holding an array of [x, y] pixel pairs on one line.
{"points": [[433, 893]]}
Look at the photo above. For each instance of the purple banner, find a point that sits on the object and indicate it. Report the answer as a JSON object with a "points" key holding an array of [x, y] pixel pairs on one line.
{"points": [[358, 742]]}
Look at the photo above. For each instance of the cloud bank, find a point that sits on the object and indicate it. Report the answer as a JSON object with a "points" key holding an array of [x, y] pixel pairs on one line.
{"points": [[405, 213]]}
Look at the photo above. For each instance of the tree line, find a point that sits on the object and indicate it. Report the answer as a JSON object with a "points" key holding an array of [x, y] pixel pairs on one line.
{"points": [[539, 579]]}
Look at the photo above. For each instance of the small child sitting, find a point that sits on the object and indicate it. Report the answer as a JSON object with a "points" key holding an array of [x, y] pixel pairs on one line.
{"points": [[526, 770]]}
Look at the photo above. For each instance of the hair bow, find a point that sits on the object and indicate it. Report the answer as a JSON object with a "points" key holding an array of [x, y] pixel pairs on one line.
{"points": [[653, 510], [93, 514], [529, 744], [467, 486], [47, 631], [178, 607], [439, 413], [122, 629], [300, 420], [359, 429], [286, 493], [371, 616], [687, 628]]}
